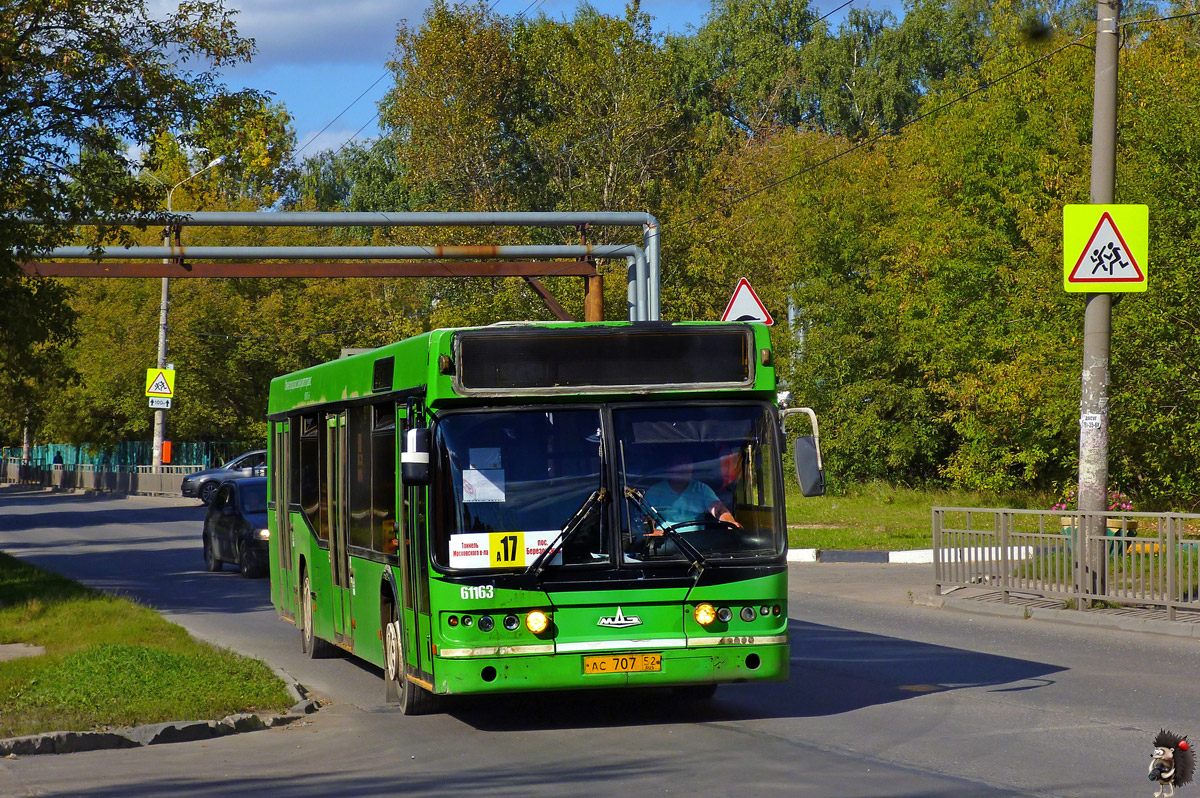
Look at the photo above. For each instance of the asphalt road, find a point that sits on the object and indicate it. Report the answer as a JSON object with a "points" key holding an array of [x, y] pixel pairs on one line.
{"points": [[885, 699]]}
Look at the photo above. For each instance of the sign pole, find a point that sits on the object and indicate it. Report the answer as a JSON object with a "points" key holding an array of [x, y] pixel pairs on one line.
{"points": [[1097, 324]]}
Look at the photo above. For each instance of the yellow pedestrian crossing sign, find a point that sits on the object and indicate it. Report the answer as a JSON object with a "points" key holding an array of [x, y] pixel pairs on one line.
{"points": [[160, 382], [1105, 248]]}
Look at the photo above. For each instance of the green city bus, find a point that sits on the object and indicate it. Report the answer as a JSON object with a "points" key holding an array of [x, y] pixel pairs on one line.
{"points": [[538, 506]]}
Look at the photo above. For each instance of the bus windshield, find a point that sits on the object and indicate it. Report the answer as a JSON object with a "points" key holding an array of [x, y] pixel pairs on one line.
{"points": [[511, 480], [707, 473]]}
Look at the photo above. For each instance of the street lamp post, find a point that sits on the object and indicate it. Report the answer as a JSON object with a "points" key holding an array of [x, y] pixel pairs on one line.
{"points": [[160, 415]]}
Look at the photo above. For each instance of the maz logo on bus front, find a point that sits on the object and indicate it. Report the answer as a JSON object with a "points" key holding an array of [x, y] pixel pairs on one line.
{"points": [[620, 620], [478, 592]]}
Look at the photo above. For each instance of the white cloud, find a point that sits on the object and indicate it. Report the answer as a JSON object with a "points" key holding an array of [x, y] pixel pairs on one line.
{"points": [[311, 32], [329, 140]]}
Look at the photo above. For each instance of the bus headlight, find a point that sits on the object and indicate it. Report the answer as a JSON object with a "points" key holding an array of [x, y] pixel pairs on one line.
{"points": [[263, 534], [537, 622], [724, 615], [705, 614]]}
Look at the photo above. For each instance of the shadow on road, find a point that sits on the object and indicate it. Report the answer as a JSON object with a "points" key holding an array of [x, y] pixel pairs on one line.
{"points": [[91, 512], [14, 495], [833, 671], [565, 775], [102, 544]]}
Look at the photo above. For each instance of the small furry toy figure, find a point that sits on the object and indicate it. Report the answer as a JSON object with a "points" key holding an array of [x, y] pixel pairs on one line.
{"points": [[1172, 763]]}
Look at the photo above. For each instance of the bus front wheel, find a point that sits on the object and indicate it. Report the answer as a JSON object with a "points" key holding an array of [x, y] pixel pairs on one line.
{"points": [[413, 699]]}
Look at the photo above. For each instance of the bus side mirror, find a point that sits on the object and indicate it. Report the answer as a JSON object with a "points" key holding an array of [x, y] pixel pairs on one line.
{"points": [[807, 453], [414, 459], [809, 473]]}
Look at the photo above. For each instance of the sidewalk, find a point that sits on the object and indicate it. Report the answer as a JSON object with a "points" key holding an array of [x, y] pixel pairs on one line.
{"points": [[900, 584], [896, 585], [915, 557]]}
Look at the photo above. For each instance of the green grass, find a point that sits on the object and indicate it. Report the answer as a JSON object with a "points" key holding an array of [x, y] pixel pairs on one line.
{"points": [[110, 662], [880, 517]]}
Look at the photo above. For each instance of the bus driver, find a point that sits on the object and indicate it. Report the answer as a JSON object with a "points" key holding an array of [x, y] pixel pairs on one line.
{"points": [[681, 499]]}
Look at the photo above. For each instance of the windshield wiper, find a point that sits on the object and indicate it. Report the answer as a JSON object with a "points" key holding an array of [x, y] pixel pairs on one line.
{"points": [[691, 552], [569, 529]]}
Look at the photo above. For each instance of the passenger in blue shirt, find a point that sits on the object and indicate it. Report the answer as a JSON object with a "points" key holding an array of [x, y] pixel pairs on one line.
{"points": [[681, 499]]}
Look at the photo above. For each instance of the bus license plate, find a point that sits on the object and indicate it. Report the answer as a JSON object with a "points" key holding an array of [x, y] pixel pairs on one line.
{"points": [[622, 663]]}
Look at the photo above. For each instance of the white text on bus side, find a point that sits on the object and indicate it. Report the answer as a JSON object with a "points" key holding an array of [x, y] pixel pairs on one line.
{"points": [[478, 592]]}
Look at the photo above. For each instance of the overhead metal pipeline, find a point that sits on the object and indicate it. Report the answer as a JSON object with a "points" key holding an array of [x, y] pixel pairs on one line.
{"points": [[651, 248], [641, 310]]}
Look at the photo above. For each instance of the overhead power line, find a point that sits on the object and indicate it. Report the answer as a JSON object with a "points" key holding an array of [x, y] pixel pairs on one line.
{"points": [[933, 111], [867, 142], [354, 102], [346, 143], [621, 125]]}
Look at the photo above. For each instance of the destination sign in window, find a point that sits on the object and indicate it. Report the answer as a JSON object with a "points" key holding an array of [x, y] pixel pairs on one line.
{"points": [[543, 360]]}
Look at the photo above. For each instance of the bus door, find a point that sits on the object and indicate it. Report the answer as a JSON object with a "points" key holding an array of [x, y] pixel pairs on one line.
{"points": [[339, 557], [415, 599], [281, 535]]}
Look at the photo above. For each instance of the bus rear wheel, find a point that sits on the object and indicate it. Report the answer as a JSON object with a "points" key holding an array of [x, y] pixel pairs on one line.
{"points": [[315, 647], [413, 699]]}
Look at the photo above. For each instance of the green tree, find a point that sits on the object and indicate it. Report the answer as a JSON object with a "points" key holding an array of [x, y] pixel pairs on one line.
{"points": [[1155, 411], [359, 177], [79, 84], [257, 138], [745, 61], [454, 104], [601, 128]]}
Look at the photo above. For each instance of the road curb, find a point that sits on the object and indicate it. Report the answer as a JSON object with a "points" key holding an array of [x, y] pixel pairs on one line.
{"points": [[1064, 616], [70, 742], [917, 557]]}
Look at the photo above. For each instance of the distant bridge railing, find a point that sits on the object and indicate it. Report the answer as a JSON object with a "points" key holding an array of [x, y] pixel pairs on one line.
{"points": [[1134, 559], [138, 479]]}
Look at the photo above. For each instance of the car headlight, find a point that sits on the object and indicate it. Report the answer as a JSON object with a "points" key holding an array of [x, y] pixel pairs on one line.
{"points": [[263, 534]]}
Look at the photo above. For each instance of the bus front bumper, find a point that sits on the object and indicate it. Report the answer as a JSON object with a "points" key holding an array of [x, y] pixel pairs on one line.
{"points": [[720, 664]]}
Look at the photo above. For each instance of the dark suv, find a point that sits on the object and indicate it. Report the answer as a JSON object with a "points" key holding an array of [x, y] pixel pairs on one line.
{"points": [[235, 527], [203, 484]]}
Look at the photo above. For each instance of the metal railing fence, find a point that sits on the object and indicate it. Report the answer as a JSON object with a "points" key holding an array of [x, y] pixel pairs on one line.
{"points": [[1127, 558], [136, 479], [129, 455]]}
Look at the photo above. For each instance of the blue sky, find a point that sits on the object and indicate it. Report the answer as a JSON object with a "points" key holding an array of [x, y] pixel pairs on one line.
{"points": [[319, 57]]}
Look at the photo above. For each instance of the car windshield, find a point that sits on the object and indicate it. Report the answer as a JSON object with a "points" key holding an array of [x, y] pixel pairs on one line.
{"points": [[247, 461], [253, 498], [705, 472], [512, 482]]}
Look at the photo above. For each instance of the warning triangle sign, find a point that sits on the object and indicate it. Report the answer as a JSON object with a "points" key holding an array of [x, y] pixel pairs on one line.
{"points": [[745, 305], [159, 387], [1106, 258]]}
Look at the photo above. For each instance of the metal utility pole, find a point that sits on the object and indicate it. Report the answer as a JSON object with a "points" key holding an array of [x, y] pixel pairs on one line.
{"points": [[1097, 324], [160, 415]]}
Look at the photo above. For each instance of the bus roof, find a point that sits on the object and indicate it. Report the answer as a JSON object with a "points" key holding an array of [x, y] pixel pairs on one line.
{"points": [[523, 359]]}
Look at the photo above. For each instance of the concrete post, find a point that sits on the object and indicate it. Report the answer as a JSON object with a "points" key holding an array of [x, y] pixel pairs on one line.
{"points": [[1097, 325]]}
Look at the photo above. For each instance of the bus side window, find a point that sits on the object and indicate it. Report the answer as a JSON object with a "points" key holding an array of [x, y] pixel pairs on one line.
{"points": [[310, 472], [383, 479]]}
